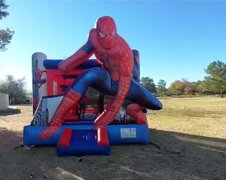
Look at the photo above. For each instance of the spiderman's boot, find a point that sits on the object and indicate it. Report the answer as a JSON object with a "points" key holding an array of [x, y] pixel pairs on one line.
{"points": [[135, 111], [70, 98]]}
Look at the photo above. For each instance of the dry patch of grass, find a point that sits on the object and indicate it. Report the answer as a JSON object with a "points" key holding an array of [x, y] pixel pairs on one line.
{"points": [[190, 132], [204, 116], [16, 122]]}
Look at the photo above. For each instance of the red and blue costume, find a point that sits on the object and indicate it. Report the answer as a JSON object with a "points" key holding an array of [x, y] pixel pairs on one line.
{"points": [[115, 78]]}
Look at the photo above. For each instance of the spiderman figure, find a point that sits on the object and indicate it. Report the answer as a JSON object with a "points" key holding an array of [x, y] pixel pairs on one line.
{"points": [[114, 78]]}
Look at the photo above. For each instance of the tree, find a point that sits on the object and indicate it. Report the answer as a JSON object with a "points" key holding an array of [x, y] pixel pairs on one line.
{"points": [[5, 35], [201, 87], [149, 84], [15, 89], [183, 87], [216, 77], [3, 6], [177, 88], [161, 87], [189, 87]]}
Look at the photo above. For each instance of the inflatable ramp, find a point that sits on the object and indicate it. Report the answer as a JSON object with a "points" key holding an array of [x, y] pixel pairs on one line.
{"points": [[83, 142]]}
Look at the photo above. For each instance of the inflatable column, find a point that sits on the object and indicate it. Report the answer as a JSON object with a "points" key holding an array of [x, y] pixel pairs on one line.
{"points": [[38, 78]]}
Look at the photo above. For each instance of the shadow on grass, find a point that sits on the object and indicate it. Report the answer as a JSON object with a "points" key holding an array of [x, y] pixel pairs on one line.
{"points": [[182, 140], [180, 156], [9, 111], [9, 139]]}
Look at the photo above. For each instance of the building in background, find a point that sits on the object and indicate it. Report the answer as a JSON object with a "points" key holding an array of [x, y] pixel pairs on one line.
{"points": [[4, 101]]}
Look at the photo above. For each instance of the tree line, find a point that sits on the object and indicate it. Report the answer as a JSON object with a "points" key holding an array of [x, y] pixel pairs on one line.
{"points": [[214, 83]]}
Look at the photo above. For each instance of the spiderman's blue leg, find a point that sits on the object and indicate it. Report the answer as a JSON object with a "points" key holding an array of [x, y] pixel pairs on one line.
{"points": [[100, 79], [97, 78], [140, 95]]}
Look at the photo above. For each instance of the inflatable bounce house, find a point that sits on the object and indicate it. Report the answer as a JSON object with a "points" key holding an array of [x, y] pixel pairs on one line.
{"points": [[84, 105]]}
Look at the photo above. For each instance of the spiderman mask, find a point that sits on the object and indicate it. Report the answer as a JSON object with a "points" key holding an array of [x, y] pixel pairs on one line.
{"points": [[106, 32]]}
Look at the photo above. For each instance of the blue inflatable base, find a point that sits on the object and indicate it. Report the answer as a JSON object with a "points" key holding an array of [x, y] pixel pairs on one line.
{"points": [[118, 134], [83, 142]]}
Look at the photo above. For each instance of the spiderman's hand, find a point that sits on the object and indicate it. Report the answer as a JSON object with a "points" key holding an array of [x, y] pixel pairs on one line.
{"points": [[63, 67]]}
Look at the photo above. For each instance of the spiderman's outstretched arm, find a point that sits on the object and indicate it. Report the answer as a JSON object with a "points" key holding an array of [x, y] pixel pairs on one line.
{"points": [[79, 57], [125, 71]]}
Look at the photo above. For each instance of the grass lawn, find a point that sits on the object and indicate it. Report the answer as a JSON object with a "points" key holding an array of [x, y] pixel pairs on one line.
{"points": [[190, 138]]}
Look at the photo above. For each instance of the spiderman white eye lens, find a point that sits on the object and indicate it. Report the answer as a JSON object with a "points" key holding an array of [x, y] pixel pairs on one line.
{"points": [[102, 35], [113, 33]]}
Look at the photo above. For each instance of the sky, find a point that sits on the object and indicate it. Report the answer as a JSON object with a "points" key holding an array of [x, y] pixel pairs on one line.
{"points": [[176, 39]]}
